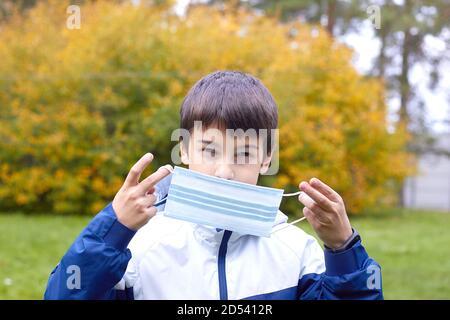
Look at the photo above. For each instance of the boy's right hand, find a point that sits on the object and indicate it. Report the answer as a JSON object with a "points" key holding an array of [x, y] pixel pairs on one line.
{"points": [[133, 203]]}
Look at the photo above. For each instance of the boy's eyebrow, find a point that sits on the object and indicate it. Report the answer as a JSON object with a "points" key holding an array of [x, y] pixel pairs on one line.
{"points": [[247, 146], [250, 146], [205, 141]]}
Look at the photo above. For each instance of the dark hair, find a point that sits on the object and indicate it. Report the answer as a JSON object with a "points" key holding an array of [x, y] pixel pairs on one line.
{"points": [[231, 99]]}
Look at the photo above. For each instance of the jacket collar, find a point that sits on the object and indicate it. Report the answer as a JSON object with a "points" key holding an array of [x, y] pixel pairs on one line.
{"points": [[213, 237]]}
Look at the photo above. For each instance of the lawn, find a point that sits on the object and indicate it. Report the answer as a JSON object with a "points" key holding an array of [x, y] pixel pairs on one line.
{"points": [[413, 248]]}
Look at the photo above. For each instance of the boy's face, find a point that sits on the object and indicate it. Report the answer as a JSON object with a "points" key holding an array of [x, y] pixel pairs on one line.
{"points": [[233, 156]]}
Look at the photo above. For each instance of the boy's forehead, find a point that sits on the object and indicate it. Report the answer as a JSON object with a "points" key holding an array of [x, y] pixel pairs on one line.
{"points": [[220, 135]]}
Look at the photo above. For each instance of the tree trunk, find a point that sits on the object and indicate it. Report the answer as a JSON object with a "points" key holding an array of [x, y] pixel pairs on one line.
{"points": [[381, 61], [331, 16], [405, 87], [405, 91]]}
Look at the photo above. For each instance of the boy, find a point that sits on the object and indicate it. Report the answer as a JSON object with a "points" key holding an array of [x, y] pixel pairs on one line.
{"points": [[129, 252]]}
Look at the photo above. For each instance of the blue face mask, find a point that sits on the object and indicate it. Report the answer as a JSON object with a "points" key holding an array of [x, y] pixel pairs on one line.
{"points": [[221, 203]]}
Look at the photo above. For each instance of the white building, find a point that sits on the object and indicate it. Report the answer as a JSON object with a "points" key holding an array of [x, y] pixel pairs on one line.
{"points": [[430, 189]]}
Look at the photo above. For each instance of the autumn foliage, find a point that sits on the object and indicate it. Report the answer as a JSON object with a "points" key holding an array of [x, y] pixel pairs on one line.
{"points": [[79, 107]]}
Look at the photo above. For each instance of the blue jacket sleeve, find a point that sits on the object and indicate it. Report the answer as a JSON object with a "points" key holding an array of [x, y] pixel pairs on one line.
{"points": [[350, 274], [95, 262]]}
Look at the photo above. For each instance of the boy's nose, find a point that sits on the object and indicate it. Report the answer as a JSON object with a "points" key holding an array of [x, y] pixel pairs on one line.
{"points": [[224, 171]]}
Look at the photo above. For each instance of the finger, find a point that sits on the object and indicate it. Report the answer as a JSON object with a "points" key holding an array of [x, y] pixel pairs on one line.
{"points": [[311, 204], [315, 220], [150, 191], [325, 189], [306, 200], [154, 178], [151, 212], [147, 201], [318, 197], [148, 214], [309, 216], [136, 170]]}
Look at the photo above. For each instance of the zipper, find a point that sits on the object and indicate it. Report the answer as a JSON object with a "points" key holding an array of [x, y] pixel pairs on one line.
{"points": [[160, 202], [221, 265]]}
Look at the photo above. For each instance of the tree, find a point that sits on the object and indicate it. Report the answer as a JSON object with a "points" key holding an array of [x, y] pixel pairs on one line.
{"points": [[78, 107], [405, 26]]}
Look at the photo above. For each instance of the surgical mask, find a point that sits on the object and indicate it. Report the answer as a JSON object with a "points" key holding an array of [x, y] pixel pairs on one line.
{"points": [[221, 203]]}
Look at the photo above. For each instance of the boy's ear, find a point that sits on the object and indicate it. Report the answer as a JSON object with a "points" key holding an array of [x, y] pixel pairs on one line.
{"points": [[265, 164], [184, 153]]}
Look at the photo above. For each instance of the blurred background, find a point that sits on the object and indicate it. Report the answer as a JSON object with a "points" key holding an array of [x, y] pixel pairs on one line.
{"points": [[363, 89]]}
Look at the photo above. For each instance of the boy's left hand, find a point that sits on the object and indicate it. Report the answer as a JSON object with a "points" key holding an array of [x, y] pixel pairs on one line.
{"points": [[325, 211]]}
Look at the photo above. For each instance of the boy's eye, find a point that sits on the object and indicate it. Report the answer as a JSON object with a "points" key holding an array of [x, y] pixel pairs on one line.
{"points": [[244, 154], [209, 151], [244, 157]]}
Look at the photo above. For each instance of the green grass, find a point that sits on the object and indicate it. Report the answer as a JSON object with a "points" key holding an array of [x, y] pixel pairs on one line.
{"points": [[413, 248], [30, 247]]}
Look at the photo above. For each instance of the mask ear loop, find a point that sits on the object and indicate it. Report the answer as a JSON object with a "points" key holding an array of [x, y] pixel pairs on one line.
{"points": [[295, 221]]}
